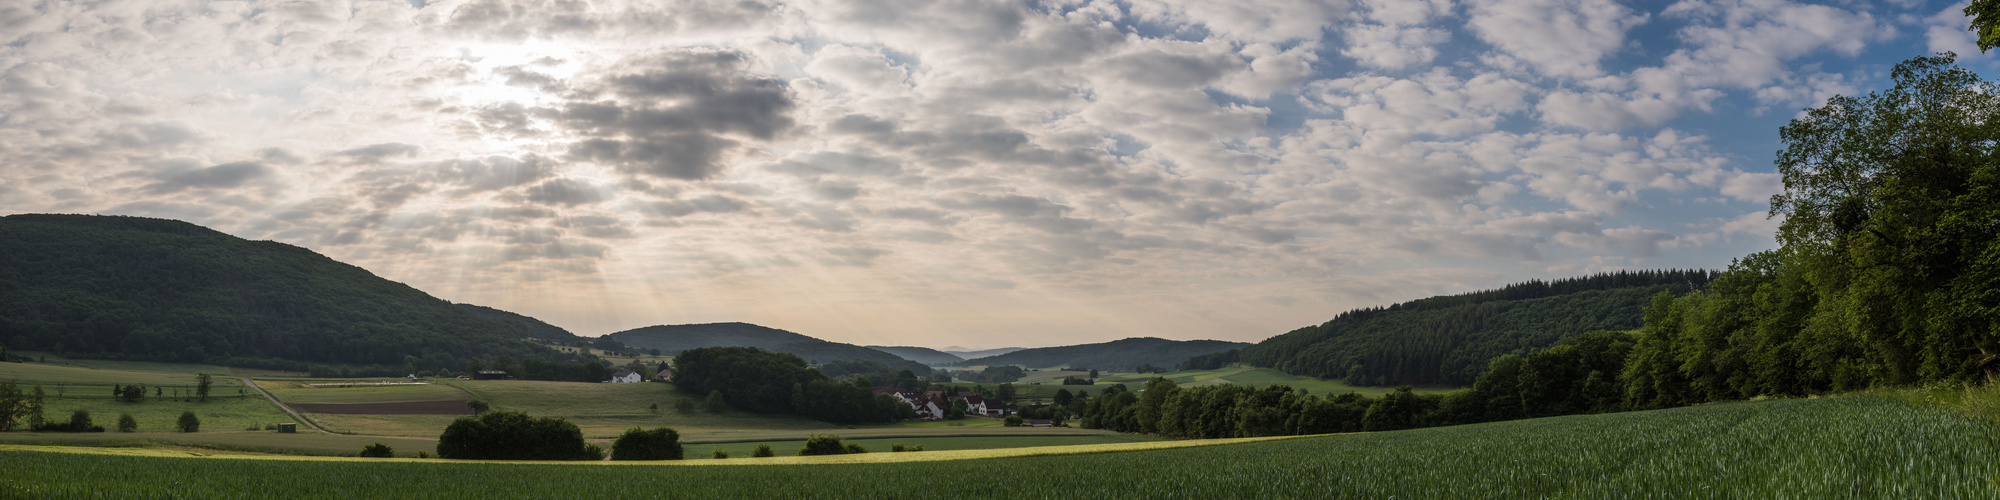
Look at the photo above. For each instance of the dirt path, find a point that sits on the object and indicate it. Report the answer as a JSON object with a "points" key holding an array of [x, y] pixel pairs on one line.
{"points": [[288, 409]]}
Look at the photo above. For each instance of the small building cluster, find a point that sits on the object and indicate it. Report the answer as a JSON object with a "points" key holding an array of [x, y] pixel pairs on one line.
{"points": [[932, 405]]}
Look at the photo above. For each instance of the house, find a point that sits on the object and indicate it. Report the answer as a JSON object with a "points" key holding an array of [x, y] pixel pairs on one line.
{"points": [[624, 377], [974, 405], [490, 375], [995, 408]]}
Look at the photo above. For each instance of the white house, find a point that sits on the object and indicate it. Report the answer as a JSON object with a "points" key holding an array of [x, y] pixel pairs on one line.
{"points": [[624, 377]]}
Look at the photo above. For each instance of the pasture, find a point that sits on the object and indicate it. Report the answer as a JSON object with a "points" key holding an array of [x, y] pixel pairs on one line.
{"points": [[221, 413], [1811, 448], [50, 375]]}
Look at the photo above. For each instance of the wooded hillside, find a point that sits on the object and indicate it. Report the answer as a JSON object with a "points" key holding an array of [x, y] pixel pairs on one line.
{"points": [[155, 289], [1121, 355], [1449, 340], [671, 339]]}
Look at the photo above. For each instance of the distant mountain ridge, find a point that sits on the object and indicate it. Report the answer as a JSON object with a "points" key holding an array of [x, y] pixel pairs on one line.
{"points": [[671, 339], [979, 353], [164, 290], [925, 355], [1117, 355]]}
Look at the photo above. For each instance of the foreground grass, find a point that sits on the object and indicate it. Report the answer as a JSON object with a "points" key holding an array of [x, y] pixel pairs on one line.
{"points": [[1865, 447]]}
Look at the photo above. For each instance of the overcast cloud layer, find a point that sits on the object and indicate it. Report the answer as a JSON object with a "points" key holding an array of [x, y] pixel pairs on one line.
{"points": [[942, 172]]}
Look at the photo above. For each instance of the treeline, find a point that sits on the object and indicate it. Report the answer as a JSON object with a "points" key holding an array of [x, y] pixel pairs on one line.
{"points": [[136, 288], [1122, 355], [1212, 361], [1451, 346], [1888, 273], [756, 380]]}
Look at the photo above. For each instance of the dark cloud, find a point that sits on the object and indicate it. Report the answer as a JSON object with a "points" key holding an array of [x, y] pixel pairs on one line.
{"points": [[667, 114], [379, 152], [709, 204], [227, 175], [1172, 71], [564, 192]]}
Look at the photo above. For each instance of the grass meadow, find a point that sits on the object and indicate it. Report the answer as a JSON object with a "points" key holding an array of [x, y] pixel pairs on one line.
{"points": [[221, 413], [1810, 448]]}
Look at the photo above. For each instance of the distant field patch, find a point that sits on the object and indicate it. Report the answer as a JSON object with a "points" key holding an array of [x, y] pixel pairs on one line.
{"points": [[412, 408], [340, 392]]}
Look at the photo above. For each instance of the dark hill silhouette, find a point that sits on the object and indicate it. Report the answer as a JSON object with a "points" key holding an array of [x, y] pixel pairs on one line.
{"points": [[923, 355], [1117, 355], [155, 289], [671, 339]]}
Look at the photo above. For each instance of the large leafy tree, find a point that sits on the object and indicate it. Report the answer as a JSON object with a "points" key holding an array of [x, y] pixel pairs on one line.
{"points": [[1891, 199]]}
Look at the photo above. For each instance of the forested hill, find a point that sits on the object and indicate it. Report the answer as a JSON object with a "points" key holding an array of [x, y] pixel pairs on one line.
{"points": [[156, 289], [524, 326], [923, 355], [1121, 355], [677, 338], [1448, 340]]}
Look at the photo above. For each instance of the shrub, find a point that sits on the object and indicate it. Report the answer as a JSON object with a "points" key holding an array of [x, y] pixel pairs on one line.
{"points": [[823, 444], [478, 407], [897, 447], [764, 450], [188, 422], [721, 453], [126, 423], [79, 421], [639, 444], [512, 435], [855, 448], [423, 454], [378, 450], [1014, 421], [684, 405]]}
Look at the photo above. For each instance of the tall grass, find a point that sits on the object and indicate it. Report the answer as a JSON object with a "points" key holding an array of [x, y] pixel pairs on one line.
{"points": [[1855, 447]]}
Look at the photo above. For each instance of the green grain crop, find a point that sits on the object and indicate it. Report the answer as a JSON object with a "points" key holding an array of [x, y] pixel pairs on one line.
{"points": [[1856, 447]]}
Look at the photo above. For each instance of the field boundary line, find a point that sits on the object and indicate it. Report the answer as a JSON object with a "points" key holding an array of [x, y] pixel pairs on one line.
{"points": [[281, 406], [863, 458]]}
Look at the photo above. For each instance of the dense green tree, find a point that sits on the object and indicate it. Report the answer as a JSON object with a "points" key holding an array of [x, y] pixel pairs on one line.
{"points": [[714, 402], [202, 383], [188, 422], [512, 435], [377, 450], [640, 444], [763, 450]]}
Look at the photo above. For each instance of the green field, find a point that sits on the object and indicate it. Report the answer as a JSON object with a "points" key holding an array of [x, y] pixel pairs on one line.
{"points": [[1041, 386], [49, 375], [930, 443], [1813, 448], [218, 414], [298, 392], [305, 442]]}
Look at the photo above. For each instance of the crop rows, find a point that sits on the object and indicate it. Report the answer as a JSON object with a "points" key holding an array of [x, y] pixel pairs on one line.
{"points": [[1820, 448]]}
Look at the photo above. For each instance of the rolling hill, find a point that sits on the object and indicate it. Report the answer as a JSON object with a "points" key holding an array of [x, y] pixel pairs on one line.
{"points": [[979, 353], [163, 290], [676, 338], [1448, 340], [925, 355], [1117, 355]]}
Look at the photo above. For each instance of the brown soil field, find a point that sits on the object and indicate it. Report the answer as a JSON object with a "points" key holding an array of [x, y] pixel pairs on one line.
{"points": [[416, 408]]}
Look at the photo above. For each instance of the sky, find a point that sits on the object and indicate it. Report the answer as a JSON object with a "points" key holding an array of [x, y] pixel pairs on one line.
{"points": [[944, 172]]}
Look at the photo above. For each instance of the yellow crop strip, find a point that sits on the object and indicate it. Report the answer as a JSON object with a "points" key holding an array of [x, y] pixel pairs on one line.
{"points": [[860, 458]]}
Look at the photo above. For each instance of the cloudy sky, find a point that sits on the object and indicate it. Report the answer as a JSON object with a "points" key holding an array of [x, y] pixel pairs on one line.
{"points": [[941, 172]]}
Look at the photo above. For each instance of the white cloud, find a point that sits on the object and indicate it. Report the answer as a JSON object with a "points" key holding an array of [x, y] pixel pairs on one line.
{"points": [[1559, 38]]}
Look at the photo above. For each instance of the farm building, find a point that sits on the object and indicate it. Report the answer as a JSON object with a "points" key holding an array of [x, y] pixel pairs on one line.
{"points": [[625, 377], [490, 375]]}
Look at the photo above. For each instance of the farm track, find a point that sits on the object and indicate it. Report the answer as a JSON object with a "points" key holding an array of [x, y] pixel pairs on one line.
{"points": [[288, 409]]}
